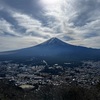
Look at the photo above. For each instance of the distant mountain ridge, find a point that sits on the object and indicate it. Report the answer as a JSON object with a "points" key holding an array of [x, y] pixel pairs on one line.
{"points": [[52, 51]]}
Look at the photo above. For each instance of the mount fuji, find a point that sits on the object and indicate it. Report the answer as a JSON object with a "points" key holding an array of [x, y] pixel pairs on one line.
{"points": [[53, 51]]}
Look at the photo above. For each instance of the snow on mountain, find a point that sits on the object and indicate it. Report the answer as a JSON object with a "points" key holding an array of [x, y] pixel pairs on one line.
{"points": [[53, 51]]}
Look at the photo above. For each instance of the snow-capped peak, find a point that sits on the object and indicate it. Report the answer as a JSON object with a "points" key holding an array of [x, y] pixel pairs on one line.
{"points": [[54, 41]]}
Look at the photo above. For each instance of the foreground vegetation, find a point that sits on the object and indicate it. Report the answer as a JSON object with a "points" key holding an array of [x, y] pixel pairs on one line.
{"points": [[8, 91]]}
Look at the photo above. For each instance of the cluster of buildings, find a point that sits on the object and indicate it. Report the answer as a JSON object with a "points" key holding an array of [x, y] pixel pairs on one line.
{"points": [[27, 76]]}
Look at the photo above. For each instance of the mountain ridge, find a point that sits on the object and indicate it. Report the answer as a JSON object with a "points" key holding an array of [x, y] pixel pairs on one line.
{"points": [[53, 51]]}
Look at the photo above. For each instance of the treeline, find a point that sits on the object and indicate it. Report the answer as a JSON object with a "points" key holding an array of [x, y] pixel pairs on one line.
{"points": [[8, 91]]}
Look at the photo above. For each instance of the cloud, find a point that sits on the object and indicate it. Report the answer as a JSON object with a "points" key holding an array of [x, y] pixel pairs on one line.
{"points": [[25, 6], [93, 42], [74, 21], [9, 43], [31, 25], [6, 29], [78, 24], [89, 11]]}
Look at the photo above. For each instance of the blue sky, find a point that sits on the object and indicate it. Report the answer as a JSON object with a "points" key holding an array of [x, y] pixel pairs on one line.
{"points": [[24, 23]]}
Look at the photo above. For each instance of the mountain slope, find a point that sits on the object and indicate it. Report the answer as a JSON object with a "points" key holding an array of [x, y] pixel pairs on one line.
{"points": [[52, 51]]}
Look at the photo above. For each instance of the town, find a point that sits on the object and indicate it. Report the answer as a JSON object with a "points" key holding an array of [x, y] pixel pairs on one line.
{"points": [[28, 76]]}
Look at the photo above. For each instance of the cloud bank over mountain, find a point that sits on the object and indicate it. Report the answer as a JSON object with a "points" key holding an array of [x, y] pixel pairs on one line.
{"points": [[24, 23]]}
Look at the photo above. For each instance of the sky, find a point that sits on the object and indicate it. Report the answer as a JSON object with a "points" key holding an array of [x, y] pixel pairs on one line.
{"points": [[25, 23]]}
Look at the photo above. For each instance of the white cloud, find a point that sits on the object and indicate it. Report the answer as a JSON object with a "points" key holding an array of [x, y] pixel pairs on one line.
{"points": [[32, 26], [35, 33], [93, 42], [6, 27], [9, 43], [77, 21]]}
